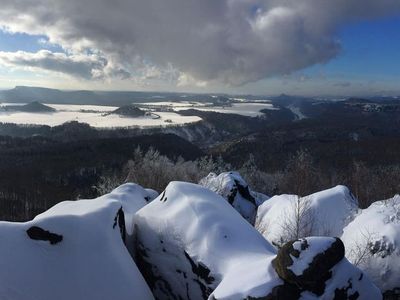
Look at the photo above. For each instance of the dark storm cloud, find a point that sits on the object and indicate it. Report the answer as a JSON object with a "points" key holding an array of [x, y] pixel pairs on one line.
{"points": [[226, 41]]}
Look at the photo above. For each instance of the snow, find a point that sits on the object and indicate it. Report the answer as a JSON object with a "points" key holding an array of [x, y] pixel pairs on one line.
{"points": [[78, 107], [297, 112], [235, 190], [190, 221], [256, 278], [188, 242], [174, 104], [244, 109], [250, 109], [346, 276], [316, 245], [334, 209], [97, 115], [324, 213], [373, 242], [90, 262], [344, 273], [93, 115]]}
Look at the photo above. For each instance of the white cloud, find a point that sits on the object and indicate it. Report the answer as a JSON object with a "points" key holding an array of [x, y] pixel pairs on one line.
{"points": [[186, 41]]}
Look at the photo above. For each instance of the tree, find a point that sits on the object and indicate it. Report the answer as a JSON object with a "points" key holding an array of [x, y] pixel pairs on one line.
{"points": [[297, 221]]}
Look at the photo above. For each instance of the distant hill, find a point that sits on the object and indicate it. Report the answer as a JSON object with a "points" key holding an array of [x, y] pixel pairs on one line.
{"points": [[33, 107], [36, 107], [129, 111], [116, 98]]}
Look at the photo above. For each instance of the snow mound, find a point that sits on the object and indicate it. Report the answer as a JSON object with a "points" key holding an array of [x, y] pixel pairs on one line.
{"points": [[315, 267], [75, 250], [192, 244], [236, 191], [373, 243], [286, 217]]}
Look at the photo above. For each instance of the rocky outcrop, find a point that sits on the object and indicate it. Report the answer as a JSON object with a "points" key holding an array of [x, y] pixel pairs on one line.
{"points": [[192, 244], [373, 243], [289, 263], [37, 233], [75, 250], [316, 266], [236, 191], [326, 213]]}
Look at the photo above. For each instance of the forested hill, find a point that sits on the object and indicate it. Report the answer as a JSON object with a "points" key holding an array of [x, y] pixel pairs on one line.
{"points": [[35, 173]]}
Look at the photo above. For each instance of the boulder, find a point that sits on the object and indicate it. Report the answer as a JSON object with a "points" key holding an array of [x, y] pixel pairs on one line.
{"points": [[192, 244], [286, 217], [317, 267], [372, 242], [308, 262], [75, 250], [232, 187], [37, 233]]}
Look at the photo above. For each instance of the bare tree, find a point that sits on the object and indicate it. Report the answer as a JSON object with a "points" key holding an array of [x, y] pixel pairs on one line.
{"points": [[360, 252], [298, 220], [300, 174]]}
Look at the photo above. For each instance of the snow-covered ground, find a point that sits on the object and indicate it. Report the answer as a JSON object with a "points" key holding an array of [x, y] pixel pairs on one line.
{"points": [[93, 115], [297, 112], [97, 116], [250, 109], [174, 104], [244, 109]]}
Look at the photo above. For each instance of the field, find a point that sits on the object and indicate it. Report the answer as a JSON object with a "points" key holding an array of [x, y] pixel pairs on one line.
{"points": [[162, 114], [96, 116]]}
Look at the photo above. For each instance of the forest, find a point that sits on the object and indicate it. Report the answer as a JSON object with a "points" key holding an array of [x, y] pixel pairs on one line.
{"points": [[338, 143]]}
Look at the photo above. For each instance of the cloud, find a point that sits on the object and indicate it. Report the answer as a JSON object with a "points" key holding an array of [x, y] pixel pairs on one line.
{"points": [[226, 41], [82, 66], [79, 65]]}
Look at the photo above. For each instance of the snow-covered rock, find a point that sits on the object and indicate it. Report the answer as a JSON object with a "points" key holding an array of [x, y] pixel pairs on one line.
{"points": [[188, 243], [236, 191], [285, 217], [191, 244], [372, 242], [75, 250], [316, 267]]}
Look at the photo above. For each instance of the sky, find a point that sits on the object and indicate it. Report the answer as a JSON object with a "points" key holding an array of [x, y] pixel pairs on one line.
{"points": [[265, 47]]}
